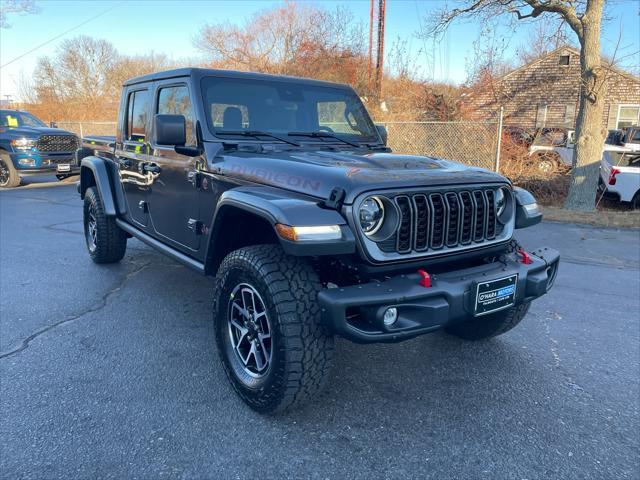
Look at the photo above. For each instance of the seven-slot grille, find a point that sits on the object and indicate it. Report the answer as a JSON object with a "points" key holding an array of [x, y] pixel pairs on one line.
{"points": [[442, 220], [57, 143]]}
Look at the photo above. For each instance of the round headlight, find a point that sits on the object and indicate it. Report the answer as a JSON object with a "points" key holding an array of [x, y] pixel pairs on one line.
{"points": [[504, 205], [371, 215]]}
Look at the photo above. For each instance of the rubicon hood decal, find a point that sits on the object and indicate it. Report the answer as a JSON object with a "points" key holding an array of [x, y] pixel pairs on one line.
{"points": [[316, 173]]}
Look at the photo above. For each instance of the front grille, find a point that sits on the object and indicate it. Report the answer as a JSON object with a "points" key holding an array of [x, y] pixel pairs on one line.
{"points": [[57, 143], [439, 221]]}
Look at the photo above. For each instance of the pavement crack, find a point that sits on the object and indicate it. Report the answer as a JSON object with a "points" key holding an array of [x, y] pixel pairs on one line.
{"points": [[99, 306], [59, 227]]}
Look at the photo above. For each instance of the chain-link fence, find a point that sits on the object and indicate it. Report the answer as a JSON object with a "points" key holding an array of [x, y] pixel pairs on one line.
{"points": [[472, 143], [83, 129]]}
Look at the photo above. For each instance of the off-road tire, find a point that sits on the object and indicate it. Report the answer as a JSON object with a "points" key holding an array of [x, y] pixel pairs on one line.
{"points": [[12, 177], [302, 348], [493, 324], [110, 240]]}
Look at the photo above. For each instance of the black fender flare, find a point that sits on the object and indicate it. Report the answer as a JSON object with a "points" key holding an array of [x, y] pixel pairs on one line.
{"points": [[280, 207], [94, 171]]}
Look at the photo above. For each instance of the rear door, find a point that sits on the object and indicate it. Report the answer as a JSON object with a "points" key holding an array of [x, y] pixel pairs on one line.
{"points": [[132, 153], [173, 202]]}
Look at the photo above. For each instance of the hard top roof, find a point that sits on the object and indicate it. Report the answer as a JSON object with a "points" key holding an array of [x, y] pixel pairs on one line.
{"points": [[210, 72]]}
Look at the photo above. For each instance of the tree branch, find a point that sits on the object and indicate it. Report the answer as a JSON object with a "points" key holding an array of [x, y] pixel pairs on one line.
{"points": [[566, 11], [533, 14]]}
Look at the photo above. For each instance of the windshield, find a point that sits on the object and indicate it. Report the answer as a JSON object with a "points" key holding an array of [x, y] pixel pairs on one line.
{"points": [[13, 119], [285, 108]]}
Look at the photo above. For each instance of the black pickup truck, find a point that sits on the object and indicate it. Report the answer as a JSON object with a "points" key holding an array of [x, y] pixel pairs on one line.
{"points": [[284, 191]]}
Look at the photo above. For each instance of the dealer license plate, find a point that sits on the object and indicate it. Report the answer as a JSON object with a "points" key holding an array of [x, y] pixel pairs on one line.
{"points": [[495, 295], [64, 167]]}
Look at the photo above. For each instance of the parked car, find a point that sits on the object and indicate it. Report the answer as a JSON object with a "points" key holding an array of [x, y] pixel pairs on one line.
{"points": [[551, 148], [628, 138], [29, 147], [620, 174], [284, 190]]}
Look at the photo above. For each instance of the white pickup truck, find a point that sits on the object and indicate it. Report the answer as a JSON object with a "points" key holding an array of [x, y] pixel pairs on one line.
{"points": [[620, 167]]}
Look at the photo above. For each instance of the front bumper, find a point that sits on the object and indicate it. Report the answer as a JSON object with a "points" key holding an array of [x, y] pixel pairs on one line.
{"points": [[32, 162], [355, 312]]}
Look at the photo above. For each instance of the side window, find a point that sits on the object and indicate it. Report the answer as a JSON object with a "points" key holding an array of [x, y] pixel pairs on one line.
{"points": [[176, 101], [137, 109]]}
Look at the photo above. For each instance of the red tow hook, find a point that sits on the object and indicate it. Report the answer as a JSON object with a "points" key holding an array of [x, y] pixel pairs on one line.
{"points": [[425, 281], [526, 259]]}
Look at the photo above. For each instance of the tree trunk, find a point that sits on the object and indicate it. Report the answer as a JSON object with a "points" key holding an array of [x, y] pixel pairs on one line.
{"points": [[589, 130]]}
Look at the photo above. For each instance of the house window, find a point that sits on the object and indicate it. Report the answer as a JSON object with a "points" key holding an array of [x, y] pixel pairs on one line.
{"points": [[541, 116], [564, 60], [628, 116], [569, 114]]}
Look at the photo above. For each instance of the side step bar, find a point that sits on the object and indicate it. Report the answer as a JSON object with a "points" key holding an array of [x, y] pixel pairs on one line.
{"points": [[168, 251]]}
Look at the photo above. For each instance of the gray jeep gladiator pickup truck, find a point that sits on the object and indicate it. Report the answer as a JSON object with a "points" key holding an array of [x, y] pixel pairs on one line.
{"points": [[284, 191]]}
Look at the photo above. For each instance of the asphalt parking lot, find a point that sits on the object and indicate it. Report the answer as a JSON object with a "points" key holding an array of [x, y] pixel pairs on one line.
{"points": [[112, 372]]}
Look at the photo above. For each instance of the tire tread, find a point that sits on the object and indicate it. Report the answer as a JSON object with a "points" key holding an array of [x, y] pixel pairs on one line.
{"points": [[293, 287], [111, 243]]}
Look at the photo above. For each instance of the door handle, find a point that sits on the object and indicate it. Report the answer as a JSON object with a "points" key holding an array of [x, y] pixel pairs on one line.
{"points": [[125, 162], [151, 167]]}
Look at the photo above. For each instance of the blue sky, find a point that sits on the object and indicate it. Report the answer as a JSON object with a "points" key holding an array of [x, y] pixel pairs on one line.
{"points": [[168, 26]]}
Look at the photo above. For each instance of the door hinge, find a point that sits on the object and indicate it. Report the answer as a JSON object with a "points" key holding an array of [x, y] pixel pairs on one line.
{"points": [[196, 226], [335, 200]]}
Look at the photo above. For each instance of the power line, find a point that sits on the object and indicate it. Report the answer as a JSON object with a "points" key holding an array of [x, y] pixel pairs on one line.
{"points": [[61, 35]]}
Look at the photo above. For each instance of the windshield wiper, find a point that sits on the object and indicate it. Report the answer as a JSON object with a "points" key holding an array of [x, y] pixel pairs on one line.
{"points": [[324, 135], [256, 133]]}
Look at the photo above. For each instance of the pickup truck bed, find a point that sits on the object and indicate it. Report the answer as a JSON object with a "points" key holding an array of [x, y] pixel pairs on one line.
{"points": [[99, 142]]}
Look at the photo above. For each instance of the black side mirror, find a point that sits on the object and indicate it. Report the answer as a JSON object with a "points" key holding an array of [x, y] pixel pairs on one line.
{"points": [[53, 125], [170, 129], [382, 131]]}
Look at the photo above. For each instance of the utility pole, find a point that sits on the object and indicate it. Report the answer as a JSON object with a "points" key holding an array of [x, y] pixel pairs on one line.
{"points": [[370, 64], [377, 18], [382, 5]]}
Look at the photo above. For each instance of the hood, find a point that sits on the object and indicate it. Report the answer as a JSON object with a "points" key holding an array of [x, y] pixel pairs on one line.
{"points": [[32, 132], [317, 173]]}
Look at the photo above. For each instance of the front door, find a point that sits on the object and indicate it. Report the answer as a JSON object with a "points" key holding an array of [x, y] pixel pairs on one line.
{"points": [[173, 201], [132, 154]]}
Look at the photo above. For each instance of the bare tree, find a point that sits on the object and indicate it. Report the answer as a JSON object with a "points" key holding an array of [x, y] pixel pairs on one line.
{"points": [[584, 17], [82, 80], [292, 39], [20, 7], [544, 38]]}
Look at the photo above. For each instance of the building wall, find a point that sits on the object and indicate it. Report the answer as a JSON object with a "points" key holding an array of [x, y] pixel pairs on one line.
{"points": [[525, 92]]}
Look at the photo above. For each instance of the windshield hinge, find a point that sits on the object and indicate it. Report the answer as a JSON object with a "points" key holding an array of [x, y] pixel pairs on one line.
{"points": [[335, 200]]}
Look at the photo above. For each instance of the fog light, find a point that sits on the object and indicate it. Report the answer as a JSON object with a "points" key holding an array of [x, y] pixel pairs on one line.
{"points": [[390, 316], [29, 162]]}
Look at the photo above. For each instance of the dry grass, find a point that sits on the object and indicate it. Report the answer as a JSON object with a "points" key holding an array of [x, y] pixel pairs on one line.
{"points": [[551, 190], [603, 217]]}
